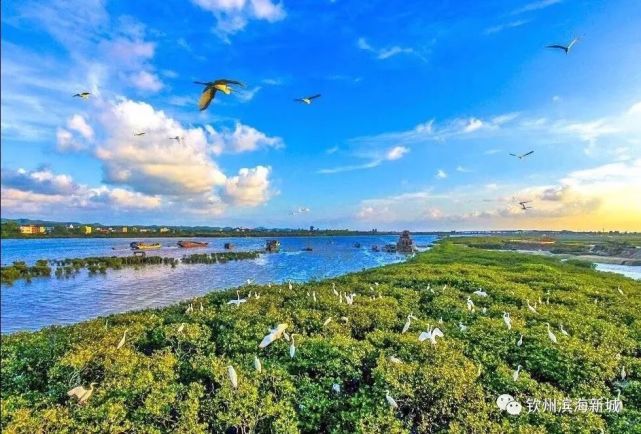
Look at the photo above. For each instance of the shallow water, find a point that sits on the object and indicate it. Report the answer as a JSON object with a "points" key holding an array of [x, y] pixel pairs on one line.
{"points": [[48, 301], [632, 271]]}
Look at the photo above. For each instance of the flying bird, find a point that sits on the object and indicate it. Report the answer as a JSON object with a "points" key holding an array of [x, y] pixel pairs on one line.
{"points": [[81, 393], [273, 335], [141, 133], [236, 302], [307, 99], [83, 95], [522, 156], [177, 138], [523, 206], [565, 48], [211, 87]]}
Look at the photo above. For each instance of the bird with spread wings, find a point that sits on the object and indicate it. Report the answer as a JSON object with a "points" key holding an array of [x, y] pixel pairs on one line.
{"points": [[211, 87]]}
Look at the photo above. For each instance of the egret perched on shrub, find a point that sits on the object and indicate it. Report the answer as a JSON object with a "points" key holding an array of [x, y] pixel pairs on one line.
{"points": [[530, 307], [515, 375], [395, 359], [231, 372], [334, 289], [292, 348], [470, 304], [406, 327], [336, 388], [189, 309], [462, 326], [81, 393], [520, 341], [257, 365], [480, 293], [122, 340], [238, 300], [391, 401], [507, 320], [623, 373], [327, 321], [563, 330], [273, 335], [432, 334], [551, 335], [181, 327]]}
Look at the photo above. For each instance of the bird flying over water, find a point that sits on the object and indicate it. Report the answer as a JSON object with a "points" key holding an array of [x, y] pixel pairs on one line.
{"points": [[521, 156], [307, 99], [565, 48], [211, 87], [83, 95]]}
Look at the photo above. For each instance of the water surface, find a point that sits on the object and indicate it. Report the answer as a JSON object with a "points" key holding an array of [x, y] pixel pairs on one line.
{"points": [[47, 301]]}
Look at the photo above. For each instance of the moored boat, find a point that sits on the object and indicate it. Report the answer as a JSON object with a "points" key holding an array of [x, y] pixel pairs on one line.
{"points": [[272, 246], [191, 244], [136, 245]]}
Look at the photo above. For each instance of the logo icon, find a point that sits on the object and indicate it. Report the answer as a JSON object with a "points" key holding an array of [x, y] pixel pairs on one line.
{"points": [[508, 403]]}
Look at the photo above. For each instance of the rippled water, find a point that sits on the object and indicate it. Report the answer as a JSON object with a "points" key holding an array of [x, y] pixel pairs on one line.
{"points": [[47, 301], [632, 271]]}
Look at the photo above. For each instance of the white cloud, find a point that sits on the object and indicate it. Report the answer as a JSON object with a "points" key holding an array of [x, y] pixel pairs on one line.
{"points": [[145, 80], [65, 141], [462, 169], [250, 187], [41, 181], [535, 6], [440, 174], [300, 210], [473, 124], [79, 124], [121, 198], [242, 139], [397, 152], [383, 53], [249, 94], [509, 25], [232, 16], [635, 109]]}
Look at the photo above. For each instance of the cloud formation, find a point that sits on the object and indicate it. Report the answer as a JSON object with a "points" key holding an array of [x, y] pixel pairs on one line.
{"points": [[232, 16]]}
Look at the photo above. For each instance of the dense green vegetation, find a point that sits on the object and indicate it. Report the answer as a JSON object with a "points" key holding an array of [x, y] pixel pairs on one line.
{"points": [[100, 264], [171, 374]]}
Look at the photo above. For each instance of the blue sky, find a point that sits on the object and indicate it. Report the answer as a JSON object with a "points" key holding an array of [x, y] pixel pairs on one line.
{"points": [[421, 105]]}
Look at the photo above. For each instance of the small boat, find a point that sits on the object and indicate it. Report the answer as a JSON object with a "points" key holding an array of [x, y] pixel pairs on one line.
{"points": [[357, 245], [229, 246], [272, 246], [144, 246], [376, 249], [390, 248], [307, 249], [191, 244]]}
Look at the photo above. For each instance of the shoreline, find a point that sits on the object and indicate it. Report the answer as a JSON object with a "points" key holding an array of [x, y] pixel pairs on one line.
{"points": [[595, 259]]}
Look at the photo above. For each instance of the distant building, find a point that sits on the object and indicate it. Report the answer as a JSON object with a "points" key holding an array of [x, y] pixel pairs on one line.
{"points": [[124, 229], [87, 230], [32, 230], [164, 230]]}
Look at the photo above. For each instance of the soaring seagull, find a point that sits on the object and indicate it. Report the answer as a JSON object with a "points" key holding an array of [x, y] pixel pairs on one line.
{"points": [[523, 207], [177, 138], [223, 85], [141, 133], [520, 157], [83, 95], [565, 48], [307, 99]]}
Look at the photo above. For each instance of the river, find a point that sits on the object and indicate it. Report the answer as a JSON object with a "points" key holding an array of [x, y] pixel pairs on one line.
{"points": [[48, 301]]}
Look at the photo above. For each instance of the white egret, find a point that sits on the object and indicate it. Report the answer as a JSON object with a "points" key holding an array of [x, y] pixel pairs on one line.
{"points": [[292, 348], [406, 327], [432, 334], [551, 335], [307, 99], [395, 359], [189, 309], [620, 291], [530, 307], [290, 285], [470, 304], [484, 310], [257, 365], [238, 300], [336, 388], [181, 327], [81, 393], [202, 308], [274, 334], [623, 373], [520, 341], [480, 293], [565, 48], [314, 296], [340, 297], [563, 330], [327, 321], [391, 401], [444, 287], [231, 372], [440, 320], [123, 340], [507, 320], [515, 375], [462, 326]]}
